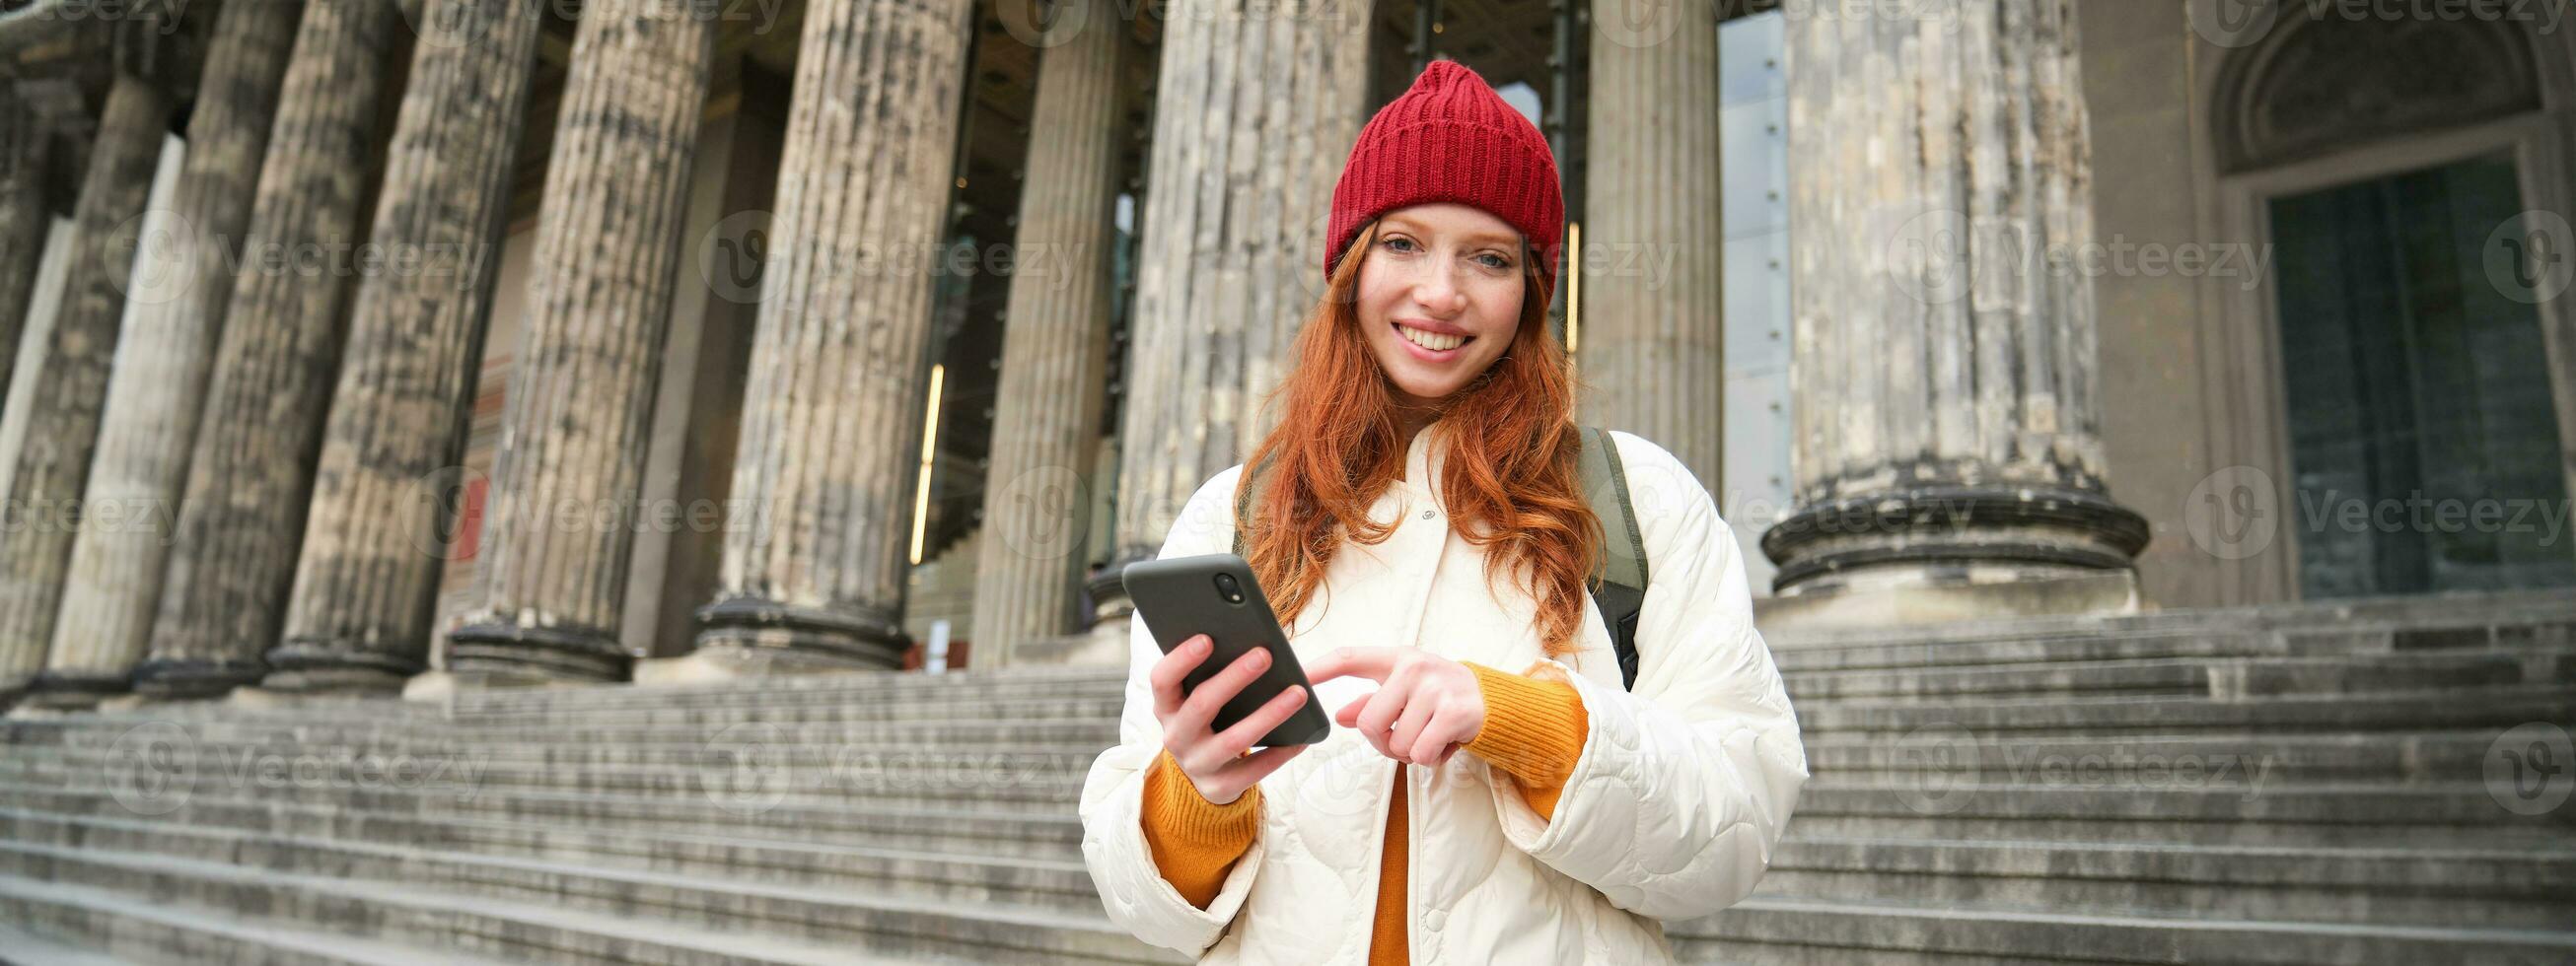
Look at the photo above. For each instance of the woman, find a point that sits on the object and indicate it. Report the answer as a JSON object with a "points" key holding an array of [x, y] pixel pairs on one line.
{"points": [[1423, 499]]}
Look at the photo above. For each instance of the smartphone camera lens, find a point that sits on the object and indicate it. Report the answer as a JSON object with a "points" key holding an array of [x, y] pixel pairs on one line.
{"points": [[1228, 586]]}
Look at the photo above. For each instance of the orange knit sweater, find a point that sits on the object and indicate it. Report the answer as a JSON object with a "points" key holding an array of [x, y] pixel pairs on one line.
{"points": [[1534, 731]]}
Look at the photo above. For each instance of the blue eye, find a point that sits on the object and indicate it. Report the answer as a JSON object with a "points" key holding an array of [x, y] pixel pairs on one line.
{"points": [[1392, 241]]}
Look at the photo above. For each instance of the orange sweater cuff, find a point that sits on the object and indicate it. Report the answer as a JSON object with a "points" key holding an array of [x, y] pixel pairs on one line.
{"points": [[1195, 841], [1534, 731]]}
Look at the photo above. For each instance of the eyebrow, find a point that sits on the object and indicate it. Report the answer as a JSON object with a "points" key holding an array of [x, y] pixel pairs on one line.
{"points": [[1505, 239]]}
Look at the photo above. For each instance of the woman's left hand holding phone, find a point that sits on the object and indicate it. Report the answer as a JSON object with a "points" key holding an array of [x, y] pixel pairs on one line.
{"points": [[1215, 762]]}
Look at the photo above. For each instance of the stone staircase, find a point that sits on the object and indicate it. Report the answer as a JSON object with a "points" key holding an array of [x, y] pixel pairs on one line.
{"points": [[2284, 785]]}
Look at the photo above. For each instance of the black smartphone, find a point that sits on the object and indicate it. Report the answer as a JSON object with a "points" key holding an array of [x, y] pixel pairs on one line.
{"points": [[1215, 594]]}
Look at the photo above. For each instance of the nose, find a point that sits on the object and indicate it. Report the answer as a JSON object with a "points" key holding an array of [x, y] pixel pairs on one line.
{"points": [[1438, 291]]}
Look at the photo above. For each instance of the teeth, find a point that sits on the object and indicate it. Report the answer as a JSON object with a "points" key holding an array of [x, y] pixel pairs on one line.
{"points": [[1433, 341]]}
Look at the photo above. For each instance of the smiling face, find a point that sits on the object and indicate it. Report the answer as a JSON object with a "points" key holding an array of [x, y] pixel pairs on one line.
{"points": [[1440, 293]]}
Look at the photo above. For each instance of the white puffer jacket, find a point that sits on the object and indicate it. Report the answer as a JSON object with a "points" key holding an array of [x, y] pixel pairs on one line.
{"points": [[1671, 812]]}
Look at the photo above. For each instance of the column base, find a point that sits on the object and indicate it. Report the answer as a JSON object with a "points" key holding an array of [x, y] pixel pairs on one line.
{"points": [[2107, 592], [1952, 533], [508, 654], [858, 639], [128, 702], [720, 663], [434, 687], [73, 690], [1940, 552], [259, 697], [1104, 645], [335, 668], [441, 686], [194, 679]]}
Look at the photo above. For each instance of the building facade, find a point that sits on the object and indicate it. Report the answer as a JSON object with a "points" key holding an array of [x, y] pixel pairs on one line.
{"points": [[672, 342]]}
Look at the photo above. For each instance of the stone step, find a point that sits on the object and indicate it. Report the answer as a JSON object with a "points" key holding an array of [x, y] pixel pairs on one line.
{"points": [[308, 832], [2492, 615], [1776, 930], [2227, 676], [861, 686], [2499, 889], [754, 745], [2469, 807], [982, 734], [894, 704], [295, 709], [2248, 678], [28, 947], [533, 909], [86, 926], [2402, 711], [2443, 756], [1004, 790], [2073, 678], [1030, 872], [894, 707], [1793, 657], [2157, 831], [1054, 836]]}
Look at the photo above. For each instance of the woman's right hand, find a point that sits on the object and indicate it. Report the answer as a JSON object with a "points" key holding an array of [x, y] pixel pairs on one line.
{"points": [[1216, 762]]}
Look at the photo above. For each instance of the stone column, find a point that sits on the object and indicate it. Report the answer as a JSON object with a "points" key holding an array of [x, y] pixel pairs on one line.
{"points": [[154, 395], [573, 434], [832, 417], [25, 146], [241, 514], [377, 536], [42, 505], [1651, 347], [1255, 111], [1055, 340], [1947, 457]]}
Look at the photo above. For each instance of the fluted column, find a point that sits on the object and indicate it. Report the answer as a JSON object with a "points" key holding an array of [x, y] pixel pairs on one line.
{"points": [[242, 511], [1055, 340], [1652, 337], [376, 538], [26, 143], [1947, 440], [571, 463], [159, 381], [1256, 108], [42, 507], [832, 415]]}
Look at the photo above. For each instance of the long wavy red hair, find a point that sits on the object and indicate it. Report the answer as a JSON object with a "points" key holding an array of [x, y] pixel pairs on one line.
{"points": [[1509, 480]]}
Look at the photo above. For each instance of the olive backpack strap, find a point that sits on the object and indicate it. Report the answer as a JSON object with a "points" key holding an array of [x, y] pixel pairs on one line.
{"points": [[1618, 584]]}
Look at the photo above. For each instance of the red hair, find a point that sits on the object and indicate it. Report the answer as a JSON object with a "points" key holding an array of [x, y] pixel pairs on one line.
{"points": [[1509, 479]]}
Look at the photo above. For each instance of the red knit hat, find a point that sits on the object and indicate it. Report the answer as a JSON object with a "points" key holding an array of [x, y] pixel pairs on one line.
{"points": [[1451, 138]]}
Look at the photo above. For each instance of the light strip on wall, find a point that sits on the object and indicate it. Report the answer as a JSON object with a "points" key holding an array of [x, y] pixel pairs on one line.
{"points": [[929, 445], [1573, 286]]}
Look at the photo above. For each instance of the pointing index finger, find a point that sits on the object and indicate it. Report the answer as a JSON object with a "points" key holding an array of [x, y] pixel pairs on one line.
{"points": [[1373, 663]]}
